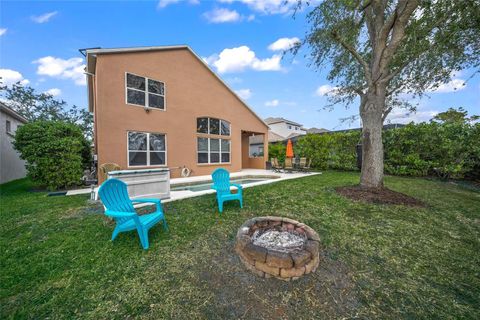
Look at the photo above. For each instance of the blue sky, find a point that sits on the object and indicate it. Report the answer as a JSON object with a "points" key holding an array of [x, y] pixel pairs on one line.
{"points": [[241, 40]]}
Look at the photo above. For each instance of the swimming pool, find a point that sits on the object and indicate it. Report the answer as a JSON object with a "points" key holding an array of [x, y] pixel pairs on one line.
{"points": [[203, 185]]}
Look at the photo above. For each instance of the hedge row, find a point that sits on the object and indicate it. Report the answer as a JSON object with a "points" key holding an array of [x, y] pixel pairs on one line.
{"points": [[450, 150]]}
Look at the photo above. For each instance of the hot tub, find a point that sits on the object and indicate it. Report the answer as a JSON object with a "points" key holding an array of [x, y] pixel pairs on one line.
{"points": [[145, 183]]}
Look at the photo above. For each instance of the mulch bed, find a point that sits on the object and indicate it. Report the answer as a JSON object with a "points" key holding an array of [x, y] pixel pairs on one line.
{"points": [[378, 196]]}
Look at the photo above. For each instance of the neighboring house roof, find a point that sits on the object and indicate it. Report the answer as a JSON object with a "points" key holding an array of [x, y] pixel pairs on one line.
{"points": [[298, 136], [91, 64], [273, 137], [292, 135], [272, 120], [317, 130], [12, 113], [385, 127]]}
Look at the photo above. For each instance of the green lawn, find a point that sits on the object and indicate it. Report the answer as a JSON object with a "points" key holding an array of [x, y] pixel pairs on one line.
{"points": [[57, 260]]}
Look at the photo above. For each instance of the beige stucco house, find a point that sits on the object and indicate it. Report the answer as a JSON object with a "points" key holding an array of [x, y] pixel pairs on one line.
{"points": [[164, 107], [11, 166]]}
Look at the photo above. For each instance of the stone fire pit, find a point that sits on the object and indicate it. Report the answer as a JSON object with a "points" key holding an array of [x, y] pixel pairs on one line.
{"points": [[278, 247]]}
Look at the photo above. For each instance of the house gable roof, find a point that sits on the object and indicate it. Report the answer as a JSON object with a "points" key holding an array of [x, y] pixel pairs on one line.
{"points": [[317, 130], [91, 65], [272, 120]]}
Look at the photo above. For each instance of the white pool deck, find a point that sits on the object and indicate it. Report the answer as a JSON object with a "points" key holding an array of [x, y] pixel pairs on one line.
{"points": [[184, 194]]}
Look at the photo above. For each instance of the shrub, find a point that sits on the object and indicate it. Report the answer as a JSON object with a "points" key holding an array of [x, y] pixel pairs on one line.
{"points": [[448, 150], [344, 154], [317, 148], [56, 152], [334, 151], [277, 150]]}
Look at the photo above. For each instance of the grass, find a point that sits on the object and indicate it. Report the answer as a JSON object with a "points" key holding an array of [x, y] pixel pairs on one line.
{"points": [[378, 261]]}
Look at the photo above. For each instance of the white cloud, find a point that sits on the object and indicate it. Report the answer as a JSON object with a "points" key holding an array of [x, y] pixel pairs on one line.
{"points": [[245, 94], [283, 44], [403, 116], [267, 6], [54, 92], [222, 15], [3, 31], [242, 58], [451, 86], [325, 90], [44, 17], [9, 77], [272, 103], [163, 3], [72, 68]]}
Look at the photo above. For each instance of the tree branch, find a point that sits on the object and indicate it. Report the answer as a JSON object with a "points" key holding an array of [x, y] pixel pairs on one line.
{"points": [[393, 74], [403, 12], [355, 54], [385, 113]]}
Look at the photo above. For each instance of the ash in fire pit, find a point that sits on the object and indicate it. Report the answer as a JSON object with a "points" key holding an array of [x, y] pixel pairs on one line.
{"points": [[278, 247], [284, 241]]}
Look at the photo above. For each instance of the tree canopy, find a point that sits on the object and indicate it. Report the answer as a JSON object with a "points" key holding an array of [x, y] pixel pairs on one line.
{"points": [[36, 106], [413, 46], [455, 116]]}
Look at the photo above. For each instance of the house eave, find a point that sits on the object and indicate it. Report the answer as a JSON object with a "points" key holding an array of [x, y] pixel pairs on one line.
{"points": [[12, 113]]}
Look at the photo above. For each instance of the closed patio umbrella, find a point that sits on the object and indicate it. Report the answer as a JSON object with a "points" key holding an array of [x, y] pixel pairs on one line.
{"points": [[289, 153]]}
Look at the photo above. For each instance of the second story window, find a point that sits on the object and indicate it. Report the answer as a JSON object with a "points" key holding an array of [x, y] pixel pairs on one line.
{"points": [[145, 92], [8, 126]]}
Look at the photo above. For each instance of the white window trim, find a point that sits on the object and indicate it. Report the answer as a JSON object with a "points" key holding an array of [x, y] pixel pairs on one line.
{"points": [[146, 93], [220, 127], [219, 152], [147, 151]]}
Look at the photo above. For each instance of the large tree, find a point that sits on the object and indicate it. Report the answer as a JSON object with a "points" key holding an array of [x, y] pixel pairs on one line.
{"points": [[381, 49]]}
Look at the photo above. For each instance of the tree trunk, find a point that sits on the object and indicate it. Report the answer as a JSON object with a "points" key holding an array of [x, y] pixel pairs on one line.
{"points": [[371, 111]]}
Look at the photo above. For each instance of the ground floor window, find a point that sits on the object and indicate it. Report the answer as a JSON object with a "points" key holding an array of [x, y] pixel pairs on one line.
{"points": [[210, 150], [146, 149]]}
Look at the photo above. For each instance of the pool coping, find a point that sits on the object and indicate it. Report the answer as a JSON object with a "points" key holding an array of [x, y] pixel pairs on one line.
{"points": [[207, 181], [185, 194]]}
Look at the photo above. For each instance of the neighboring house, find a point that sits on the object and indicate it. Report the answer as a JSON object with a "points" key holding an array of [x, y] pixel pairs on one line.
{"points": [[317, 130], [285, 128], [164, 107], [11, 166]]}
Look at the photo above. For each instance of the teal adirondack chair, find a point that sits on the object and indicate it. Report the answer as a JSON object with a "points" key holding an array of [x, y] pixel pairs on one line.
{"points": [[114, 196], [221, 183]]}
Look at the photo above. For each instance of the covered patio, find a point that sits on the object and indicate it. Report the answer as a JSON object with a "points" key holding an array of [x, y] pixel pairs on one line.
{"points": [[254, 150]]}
